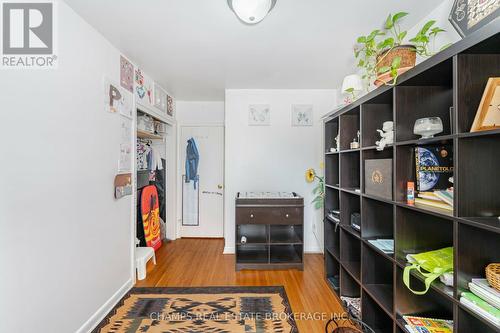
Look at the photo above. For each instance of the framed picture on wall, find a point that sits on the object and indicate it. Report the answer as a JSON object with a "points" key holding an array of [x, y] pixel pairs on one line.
{"points": [[170, 106], [469, 15], [126, 74], [259, 115], [160, 98], [302, 115], [144, 87]]}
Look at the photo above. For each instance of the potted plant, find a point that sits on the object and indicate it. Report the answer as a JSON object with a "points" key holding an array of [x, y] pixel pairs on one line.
{"points": [[384, 60]]}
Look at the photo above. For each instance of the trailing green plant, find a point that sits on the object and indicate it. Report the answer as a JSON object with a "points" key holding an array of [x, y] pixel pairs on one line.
{"points": [[372, 49], [392, 69], [424, 37], [366, 53]]}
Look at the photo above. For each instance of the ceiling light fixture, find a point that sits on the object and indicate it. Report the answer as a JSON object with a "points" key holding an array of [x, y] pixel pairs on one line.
{"points": [[251, 11]]}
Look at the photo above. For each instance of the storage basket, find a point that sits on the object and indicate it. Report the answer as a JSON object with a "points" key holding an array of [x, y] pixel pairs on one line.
{"points": [[493, 275], [160, 128], [145, 123]]}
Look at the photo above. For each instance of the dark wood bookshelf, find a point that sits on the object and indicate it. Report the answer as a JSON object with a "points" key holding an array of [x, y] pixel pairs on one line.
{"points": [[274, 232], [449, 85]]}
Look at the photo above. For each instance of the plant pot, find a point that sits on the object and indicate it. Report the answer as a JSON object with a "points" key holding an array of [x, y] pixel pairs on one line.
{"points": [[408, 55]]}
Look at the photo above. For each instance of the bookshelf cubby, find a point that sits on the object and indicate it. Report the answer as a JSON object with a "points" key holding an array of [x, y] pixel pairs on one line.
{"points": [[449, 85], [350, 170]]}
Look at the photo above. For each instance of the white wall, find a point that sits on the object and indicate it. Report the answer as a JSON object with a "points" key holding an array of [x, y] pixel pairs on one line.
{"points": [[273, 158], [209, 112], [65, 243]]}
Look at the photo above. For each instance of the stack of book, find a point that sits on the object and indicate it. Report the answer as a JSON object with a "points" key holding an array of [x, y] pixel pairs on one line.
{"points": [[384, 245], [483, 300], [442, 199], [429, 325]]}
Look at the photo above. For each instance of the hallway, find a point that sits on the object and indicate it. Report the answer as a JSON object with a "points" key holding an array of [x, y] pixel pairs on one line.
{"points": [[200, 262]]}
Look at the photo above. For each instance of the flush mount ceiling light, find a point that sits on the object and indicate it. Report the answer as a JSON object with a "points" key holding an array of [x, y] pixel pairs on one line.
{"points": [[251, 11]]}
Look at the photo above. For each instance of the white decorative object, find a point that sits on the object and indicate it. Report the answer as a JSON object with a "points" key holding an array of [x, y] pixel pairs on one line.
{"points": [[142, 256], [355, 142], [386, 134], [352, 85], [428, 127], [302, 115], [337, 145], [259, 115], [251, 11]]}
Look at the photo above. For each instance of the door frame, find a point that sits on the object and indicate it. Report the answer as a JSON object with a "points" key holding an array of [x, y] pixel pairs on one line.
{"points": [[180, 169]]}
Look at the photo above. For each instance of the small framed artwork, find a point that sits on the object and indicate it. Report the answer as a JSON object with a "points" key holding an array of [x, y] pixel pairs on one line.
{"points": [[469, 15], [488, 113], [160, 98], [302, 115], [126, 74], [170, 106], [259, 115], [117, 100], [144, 88]]}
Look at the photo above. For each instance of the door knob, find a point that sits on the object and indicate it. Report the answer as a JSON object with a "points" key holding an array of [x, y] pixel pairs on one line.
{"points": [[219, 186]]}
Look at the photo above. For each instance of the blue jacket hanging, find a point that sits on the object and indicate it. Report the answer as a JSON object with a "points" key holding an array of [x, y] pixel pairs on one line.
{"points": [[192, 161]]}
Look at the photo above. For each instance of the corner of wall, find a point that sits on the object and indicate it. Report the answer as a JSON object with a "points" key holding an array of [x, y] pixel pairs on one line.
{"points": [[101, 313]]}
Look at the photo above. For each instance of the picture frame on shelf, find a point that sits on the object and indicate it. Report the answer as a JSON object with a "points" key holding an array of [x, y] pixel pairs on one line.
{"points": [[488, 113], [467, 16]]}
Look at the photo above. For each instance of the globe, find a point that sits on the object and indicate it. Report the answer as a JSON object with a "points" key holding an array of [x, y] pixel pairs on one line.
{"points": [[428, 179]]}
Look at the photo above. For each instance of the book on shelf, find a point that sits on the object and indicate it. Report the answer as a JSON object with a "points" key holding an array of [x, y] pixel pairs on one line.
{"points": [[430, 325], [445, 195], [434, 167], [481, 307], [428, 196], [384, 245], [435, 204], [482, 289]]}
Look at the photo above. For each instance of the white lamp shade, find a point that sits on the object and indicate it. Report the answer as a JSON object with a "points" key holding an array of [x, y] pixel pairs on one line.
{"points": [[352, 81], [251, 11]]}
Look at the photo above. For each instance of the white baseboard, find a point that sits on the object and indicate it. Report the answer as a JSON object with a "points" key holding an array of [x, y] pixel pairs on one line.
{"points": [[97, 317], [313, 249], [229, 250]]}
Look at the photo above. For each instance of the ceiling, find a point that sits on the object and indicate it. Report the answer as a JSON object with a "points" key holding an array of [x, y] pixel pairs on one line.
{"points": [[198, 48]]}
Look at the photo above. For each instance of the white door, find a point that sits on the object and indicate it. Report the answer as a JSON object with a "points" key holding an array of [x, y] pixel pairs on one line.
{"points": [[202, 206]]}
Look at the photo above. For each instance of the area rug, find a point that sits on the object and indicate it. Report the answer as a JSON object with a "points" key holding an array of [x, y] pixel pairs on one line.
{"points": [[201, 310]]}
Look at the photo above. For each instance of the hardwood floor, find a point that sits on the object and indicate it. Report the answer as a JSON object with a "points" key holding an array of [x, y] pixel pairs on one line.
{"points": [[200, 262]]}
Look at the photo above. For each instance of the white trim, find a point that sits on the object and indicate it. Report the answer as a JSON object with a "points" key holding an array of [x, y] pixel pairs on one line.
{"points": [[99, 315], [313, 249], [156, 113], [197, 124], [229, 250]]}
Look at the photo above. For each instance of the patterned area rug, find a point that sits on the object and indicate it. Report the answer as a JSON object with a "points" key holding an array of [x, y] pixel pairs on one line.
{"points": [[202, 310]]}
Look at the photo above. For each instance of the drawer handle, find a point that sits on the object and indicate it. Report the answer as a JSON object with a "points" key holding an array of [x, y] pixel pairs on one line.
{"points": [[287, 216], [251, 216]]}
